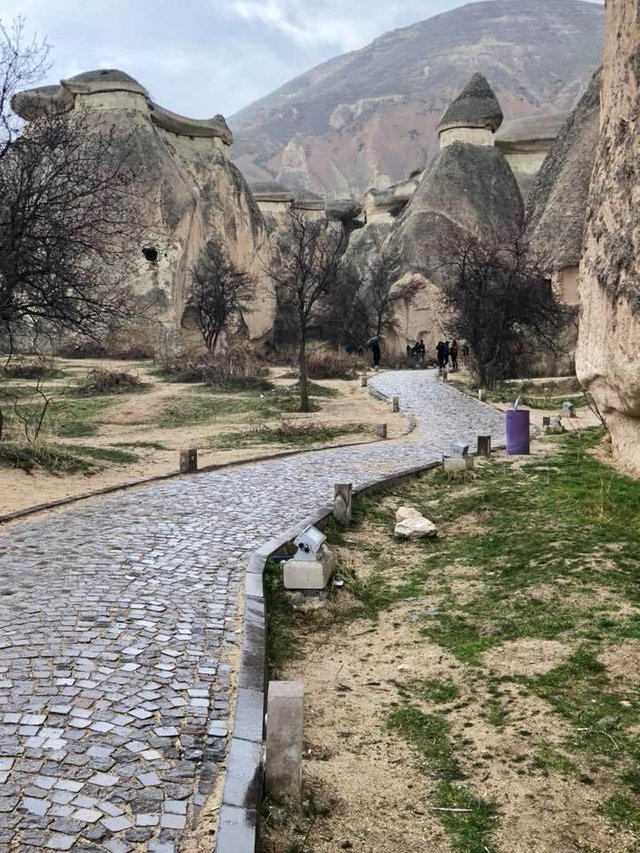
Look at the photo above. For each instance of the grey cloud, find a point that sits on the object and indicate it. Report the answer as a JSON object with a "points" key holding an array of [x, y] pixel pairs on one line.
{"points": [[201, 57]]}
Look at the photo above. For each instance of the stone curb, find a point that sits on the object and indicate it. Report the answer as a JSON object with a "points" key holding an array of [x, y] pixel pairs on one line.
{"points": [[238, 826], [207, 469], [239, 817]]}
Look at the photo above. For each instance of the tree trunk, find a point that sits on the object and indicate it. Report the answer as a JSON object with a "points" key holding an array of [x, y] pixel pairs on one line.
{"points": [[302, 369]]}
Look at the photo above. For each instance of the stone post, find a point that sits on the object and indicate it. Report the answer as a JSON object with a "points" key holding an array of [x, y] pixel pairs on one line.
{"points": [[482, 395], [445, 376], [363, 380], [381, 430], [342, 502], [188, 461], [395, 404], [484, 445], [285, 718]]}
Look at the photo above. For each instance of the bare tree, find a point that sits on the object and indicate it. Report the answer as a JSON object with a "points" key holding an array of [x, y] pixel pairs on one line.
{"points": [[383, 292], [219, 291], [346, 314], [23, 62], [304, 271], [68, 216], [500, 303], [363, 303]]}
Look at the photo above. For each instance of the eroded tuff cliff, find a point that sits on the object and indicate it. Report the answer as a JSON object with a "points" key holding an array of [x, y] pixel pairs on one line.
{"points": [[557, 207], [368, 118], [608, 358], [191, 190]]}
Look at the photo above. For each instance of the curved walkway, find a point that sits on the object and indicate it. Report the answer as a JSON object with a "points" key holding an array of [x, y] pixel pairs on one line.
{"points": [[118, 623]]}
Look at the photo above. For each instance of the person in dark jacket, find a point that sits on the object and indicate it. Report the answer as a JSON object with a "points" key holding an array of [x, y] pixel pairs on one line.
{"points": [[374, 344], [454, 355]]}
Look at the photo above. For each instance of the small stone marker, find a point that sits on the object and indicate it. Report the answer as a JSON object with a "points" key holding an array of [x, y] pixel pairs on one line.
{"points": [[484, 445], [395, 404], [482, 395], [364, 379], [458, 463], [285, 718], [188, 461], [342, 502], [381, 430], [445, 376]]}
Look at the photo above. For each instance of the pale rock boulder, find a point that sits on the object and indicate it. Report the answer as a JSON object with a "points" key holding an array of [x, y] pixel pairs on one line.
{"points": [[608, 355], [411, 524]]}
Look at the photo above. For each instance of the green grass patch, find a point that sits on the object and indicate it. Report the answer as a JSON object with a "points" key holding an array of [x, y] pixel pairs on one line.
{"points": [[292, 433], [432, 690], [552, 760], [102, 454], [622, 811], [429, 736], [281, 621], [63, 418], [47, 457], [469, 830], [145, 445]]}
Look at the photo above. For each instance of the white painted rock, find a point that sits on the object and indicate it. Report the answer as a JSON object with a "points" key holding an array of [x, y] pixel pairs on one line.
{"points": [[406, 512], [415, 528]]}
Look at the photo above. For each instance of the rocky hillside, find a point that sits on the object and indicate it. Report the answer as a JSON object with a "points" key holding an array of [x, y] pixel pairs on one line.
{"points": [[368, 118]]}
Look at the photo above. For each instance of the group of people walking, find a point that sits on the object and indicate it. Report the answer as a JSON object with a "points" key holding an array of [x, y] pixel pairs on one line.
{"points": [[446, 353]]}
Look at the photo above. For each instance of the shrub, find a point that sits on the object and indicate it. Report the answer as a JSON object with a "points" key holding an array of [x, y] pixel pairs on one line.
{"points": [[327, 364], [35, 368], [30, 455], [234, 370], [100, 381]]}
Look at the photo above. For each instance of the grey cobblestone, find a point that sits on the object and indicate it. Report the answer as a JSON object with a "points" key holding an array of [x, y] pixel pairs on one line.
{"points": [[117, 620]]}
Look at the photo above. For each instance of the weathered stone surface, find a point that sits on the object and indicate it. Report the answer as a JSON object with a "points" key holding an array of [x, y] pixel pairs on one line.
{"points": [[406, 512], [192, 190], [608, 356], [415, 527], [285, 722]]}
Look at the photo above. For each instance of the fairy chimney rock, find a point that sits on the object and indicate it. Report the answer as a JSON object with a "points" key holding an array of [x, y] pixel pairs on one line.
{"points": [[473, 117]]}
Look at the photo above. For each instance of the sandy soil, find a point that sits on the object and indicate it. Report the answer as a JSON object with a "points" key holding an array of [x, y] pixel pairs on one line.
{"points": [[379, 799], [128, 420]]}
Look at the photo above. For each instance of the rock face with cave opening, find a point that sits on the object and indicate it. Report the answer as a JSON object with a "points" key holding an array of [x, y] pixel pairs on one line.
{"points": [[191, 188], [608, 357]]}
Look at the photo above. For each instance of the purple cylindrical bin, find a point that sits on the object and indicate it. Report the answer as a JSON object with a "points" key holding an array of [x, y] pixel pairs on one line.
{"points": [[517, 430]]}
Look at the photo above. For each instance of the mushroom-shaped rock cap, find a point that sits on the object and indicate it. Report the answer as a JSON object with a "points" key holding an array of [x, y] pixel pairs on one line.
{"points": [[476, 106], [101, 80]]}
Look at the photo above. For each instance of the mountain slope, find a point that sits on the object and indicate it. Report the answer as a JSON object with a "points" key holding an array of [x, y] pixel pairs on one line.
{"points": [[368, 118]]}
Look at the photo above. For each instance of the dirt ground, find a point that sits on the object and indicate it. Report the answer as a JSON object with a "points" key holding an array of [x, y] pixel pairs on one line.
{"points": [[368, 789], [129, 417]]}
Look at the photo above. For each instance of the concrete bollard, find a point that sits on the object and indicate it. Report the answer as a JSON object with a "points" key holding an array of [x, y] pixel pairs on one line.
{"points": [[285, 720], [395, 404], [484, 445], [342, 503], [381, 430], [456, 464], [363, 380], [188, 461]]}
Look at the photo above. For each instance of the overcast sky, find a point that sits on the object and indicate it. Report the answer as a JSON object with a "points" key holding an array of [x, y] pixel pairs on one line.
{"points": [[202, 57]]}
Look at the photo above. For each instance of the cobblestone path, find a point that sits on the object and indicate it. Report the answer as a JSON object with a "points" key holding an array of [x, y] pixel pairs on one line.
{"points": [[117, 618]]}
